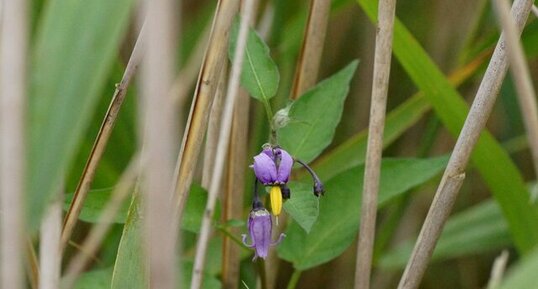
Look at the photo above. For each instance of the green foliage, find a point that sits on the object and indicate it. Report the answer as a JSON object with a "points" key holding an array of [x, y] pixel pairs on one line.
{"points": [[478, 229], [503, 178], [523, 275], [339, 209], [94, 204], [97, 279], [259, 75], [303, 206], [315, 115], [73, 54]]}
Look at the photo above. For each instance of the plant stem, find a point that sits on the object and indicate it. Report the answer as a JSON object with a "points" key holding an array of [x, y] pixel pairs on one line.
{"points": [[270, 115], [294, 279], [262, 272]]}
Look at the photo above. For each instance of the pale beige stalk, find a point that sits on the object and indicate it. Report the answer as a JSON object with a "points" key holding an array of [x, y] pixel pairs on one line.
{"points": [[497, 272], [13, 95], [306, 74], [455, 172], [223, 142], [216, 56], [106, 219], [535, 10], [380, 86], [50, 255], [101, 141], [159, 131], [521, 74]]}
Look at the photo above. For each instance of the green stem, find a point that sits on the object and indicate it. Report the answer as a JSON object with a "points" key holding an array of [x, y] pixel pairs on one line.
{"points": [[269, 112], [294, 279]]}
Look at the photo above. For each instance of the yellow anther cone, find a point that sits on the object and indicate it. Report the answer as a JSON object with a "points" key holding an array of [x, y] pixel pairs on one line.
{"points": [[276, 200]]}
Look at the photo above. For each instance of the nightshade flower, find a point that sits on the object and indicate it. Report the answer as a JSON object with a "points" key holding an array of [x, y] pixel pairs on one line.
{"points": [[260, 226], [272, 167]]}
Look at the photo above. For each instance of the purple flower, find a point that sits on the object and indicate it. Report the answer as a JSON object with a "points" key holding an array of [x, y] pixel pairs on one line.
{"points": [[273, 166], [260, 227]]}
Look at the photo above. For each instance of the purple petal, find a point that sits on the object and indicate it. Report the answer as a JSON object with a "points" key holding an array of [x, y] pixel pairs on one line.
{"points": [[260, 226], [284, 169], [269, 152], [264, 169]]}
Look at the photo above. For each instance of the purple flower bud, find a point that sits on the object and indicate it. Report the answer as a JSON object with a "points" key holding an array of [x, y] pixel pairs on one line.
{"points": [[273, 166], [260, 227]]}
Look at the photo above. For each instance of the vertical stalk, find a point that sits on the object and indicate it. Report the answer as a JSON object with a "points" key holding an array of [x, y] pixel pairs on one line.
{"points": [[455, 172], [294, 279], [158, 127], [380, 85], [222, 147], [50, 260], [13, 54]]}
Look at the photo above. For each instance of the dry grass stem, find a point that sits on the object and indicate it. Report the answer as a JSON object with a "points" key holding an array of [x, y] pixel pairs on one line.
{"points": [[101, 141], [213, 127], [535, 10], [214, 59], [223, 142], [50, 254], [159, 131], [521, 74], [380, 86], [497, 272], [13, 54], [453, 176], [32, 264], [106, 220], [309, 61]]}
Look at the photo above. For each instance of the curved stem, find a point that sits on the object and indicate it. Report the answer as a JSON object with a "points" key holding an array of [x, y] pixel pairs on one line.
{"points": [[294, 279]]}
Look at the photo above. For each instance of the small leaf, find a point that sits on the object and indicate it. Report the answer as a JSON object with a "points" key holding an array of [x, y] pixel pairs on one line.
{"points": [[315, 115], [481, 228], [303, 206], [339, 209], [259, 75]]}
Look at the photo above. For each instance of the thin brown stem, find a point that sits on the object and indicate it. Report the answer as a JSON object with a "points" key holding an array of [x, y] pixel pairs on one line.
{"points": [[101, 141], [309, 61], [32, 265], [521, 74], [454, 174], [380, 86], [223, 142], [13, 55]]}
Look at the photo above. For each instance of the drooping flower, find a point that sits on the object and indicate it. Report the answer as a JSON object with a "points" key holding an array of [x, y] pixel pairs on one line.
{"points": [[272, 167], [260, 226]]}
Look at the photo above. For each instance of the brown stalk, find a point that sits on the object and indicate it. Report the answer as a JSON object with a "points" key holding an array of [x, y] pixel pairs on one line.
{"points": [[521, 75], [380, 87], [101, 141], [309, 61], [455, 172], [223, 142], [216, 56], [32, 267], [13, 95]]}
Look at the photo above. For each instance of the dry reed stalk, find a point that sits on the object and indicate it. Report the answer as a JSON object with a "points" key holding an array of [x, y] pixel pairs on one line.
{"points": [[214, 59], [106, 219], [13, 55], [99, 146], [213, 127], [521, 74], [497, 272], [535, 10], [158, 127], [235, 189], [223, 142], [32, 266], [455, 172], [306, 74], [50, 254], [380, 87]]}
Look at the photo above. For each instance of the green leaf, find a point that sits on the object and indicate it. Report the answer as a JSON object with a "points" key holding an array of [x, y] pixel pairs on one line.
{"points": [[339, 209], [94, 204], [130, 270], [481, 228], [315, 115], [194, 209], [259, 75], [503, 178], [75, 49], [303, 206], [523, 274], [97, 279]]}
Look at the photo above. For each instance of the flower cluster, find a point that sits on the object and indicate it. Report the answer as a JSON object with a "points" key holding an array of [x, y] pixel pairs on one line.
{"points": [[272, 168]]}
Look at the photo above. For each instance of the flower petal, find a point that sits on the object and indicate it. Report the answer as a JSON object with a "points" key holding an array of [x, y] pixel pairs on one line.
{"points": [[284, 169], [260, 226], [264, 169]]}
